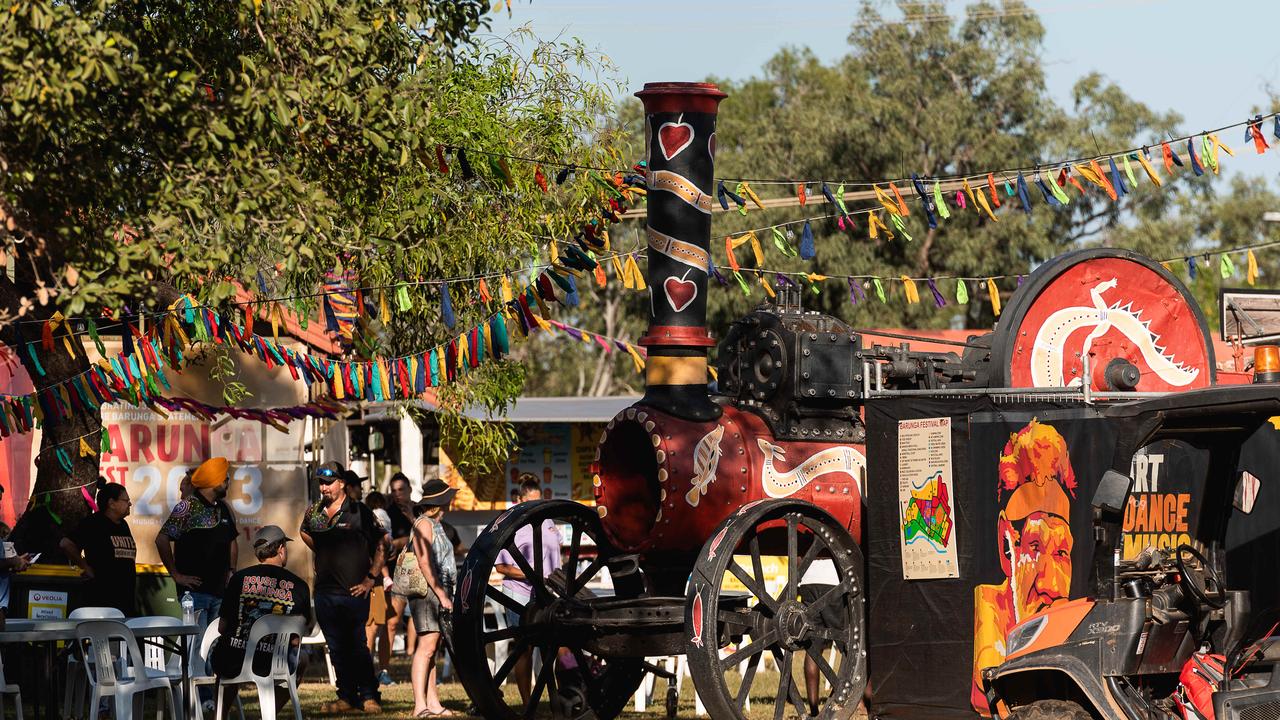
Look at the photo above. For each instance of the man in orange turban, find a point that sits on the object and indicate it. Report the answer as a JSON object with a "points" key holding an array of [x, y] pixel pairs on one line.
{"points": [[1035, 487]]}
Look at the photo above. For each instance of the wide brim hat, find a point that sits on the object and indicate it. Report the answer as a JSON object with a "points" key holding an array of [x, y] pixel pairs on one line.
{"points": [[436, 492]]}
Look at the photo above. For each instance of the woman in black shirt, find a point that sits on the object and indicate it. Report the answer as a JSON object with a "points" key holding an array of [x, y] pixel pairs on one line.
{"points": [[102, 547]]}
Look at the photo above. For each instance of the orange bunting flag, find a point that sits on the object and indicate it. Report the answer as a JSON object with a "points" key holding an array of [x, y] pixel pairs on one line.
{"points": [[994, 292], [991, 185], [1170, 157], [885, 200], [801, 194], [1259, 140], [248, 319], [909, 286], [601, 279], [1102, 179], [485, 295], [1251, 268], [902, 205], [728, 251]]}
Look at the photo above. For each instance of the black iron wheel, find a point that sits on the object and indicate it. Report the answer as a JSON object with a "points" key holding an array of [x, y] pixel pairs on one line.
{"points": [[795, 625], [599, 687]]}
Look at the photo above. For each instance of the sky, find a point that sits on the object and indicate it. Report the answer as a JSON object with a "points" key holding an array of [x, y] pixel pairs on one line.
{"points": [[1212, 62]]}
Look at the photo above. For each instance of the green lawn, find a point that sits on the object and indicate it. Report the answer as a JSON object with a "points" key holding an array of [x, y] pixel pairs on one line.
{"points": [[397, 700]]}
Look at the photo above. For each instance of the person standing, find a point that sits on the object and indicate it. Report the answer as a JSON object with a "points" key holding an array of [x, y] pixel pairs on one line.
{"points": [[102, 547], [347, 544], [401, 512], [376, 628], [434, 553], [197, 543], [514, 583], [9, 565]]}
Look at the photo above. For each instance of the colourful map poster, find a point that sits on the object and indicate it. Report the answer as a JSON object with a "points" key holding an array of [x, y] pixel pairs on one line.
{"points": [[925, 506]]}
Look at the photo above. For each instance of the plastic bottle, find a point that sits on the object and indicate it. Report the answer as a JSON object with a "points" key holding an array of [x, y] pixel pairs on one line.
{"points": [[188, 609]]}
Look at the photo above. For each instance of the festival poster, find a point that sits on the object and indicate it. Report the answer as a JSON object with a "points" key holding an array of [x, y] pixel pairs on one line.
{"points": [[1164, 503], [925, 506], [545, 451]]}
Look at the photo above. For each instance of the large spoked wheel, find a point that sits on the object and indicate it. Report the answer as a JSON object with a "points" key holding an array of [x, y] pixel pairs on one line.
{"points": [[487, 655], [747, 602]]}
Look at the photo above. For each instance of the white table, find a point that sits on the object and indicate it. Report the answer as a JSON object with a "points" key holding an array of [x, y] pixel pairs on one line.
{"points": [[48, 633]]}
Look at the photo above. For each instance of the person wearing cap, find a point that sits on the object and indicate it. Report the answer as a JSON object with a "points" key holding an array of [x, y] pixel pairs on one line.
{"points": [[431, 613], [267, 588], [347, 545], [197, 543]]}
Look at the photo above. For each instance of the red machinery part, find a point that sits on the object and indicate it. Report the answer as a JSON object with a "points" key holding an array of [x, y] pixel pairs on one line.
{"points": [[664, 484], [1119, 308]]}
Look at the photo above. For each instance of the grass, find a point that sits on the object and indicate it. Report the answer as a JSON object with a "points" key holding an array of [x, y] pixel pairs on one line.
{"points": [[397, 700]]}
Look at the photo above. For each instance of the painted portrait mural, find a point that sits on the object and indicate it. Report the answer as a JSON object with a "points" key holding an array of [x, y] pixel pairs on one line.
{"points": [[1035, 488]]}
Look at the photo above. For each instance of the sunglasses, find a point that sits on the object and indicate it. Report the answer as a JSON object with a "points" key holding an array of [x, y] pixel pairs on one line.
{"points": [[326, 475]]}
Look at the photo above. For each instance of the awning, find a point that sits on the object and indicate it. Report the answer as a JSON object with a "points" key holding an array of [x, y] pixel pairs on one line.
{"points": [[527, 409]]}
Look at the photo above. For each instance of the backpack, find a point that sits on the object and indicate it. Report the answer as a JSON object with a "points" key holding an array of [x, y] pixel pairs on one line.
{"points": [[1199, 680]]}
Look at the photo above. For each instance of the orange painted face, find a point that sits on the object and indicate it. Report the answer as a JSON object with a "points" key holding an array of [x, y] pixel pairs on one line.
{"points": [[1041, 563]]}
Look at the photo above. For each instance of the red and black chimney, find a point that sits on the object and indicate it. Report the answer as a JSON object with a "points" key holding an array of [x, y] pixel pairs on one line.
{"points": [[680, 139]]}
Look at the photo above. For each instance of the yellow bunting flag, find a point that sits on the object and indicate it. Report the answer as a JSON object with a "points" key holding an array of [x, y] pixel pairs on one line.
{"points": [[637, 277], [506, 290], [909, 286], [994, 292], [1151, 172], [1251, 269], [620, 272], [982, 203], [886, 200], [968, 192], [384, 312], [86, 450], [635, 357], [751, 194], [756, 249]]}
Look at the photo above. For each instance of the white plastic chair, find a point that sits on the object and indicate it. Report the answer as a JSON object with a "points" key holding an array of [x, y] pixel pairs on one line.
{"points": [[202, 673], [156, 658], [8, 689], [284, 628], [102, 640], [315, 637], [76, 689]]}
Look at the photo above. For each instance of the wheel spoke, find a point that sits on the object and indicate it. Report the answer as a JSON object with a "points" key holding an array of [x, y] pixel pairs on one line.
{"points": [[827, 633], [571, 575], [532, 577], [784, 685], [577, 583], [544, 674], [753, 585], [793, 690], [757, 566], [793, 564], [755, 647], [837, 591], [508, 633], [744, 690], [814, 651], [503, 599], [518, 647], [537, 549], [810, 554]]}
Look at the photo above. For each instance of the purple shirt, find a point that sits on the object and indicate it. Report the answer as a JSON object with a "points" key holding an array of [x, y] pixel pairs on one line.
{"points": [[524, 545]]}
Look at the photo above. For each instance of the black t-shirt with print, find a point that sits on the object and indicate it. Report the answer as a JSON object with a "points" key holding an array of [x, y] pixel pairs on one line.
{"points": [[110, 552], [202, 532], [344, 545], [253, 593]]}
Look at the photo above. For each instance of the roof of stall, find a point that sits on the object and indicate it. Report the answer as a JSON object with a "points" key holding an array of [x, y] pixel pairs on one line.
{"points": [[531, 409]]}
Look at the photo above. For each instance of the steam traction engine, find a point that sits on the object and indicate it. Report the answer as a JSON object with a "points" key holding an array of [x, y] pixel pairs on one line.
{"points": [[729, 525]]}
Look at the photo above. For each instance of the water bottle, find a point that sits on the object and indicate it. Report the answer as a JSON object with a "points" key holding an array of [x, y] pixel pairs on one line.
{"points": [[188, 609]]}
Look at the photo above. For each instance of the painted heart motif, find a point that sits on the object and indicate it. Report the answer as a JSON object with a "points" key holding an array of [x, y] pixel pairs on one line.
{"points": [[680, 293], [673, 137], [711, 145]]}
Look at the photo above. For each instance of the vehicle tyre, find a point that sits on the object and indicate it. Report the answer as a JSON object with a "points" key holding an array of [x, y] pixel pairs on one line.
{"points": [[1050, 710]]}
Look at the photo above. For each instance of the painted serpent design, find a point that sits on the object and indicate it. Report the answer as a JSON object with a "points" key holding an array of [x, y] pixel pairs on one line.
{"points": [[1050, 343]]}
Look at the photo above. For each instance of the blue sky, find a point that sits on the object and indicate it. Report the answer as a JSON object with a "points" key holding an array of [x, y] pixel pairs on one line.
{"points": [[1210, 61]]}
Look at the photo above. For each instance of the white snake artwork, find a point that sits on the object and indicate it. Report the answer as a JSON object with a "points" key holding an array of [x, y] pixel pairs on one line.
{"points": [[778, 484], [1047, 353]]}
